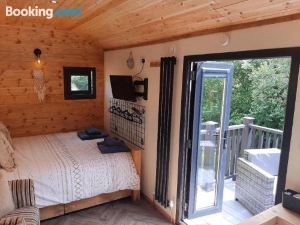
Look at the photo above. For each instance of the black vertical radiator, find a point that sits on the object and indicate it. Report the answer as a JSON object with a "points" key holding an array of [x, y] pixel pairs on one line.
{"points": [[167, 65]]}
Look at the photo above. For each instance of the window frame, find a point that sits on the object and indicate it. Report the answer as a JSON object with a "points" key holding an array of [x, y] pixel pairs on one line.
{"points": [[90, 72]]}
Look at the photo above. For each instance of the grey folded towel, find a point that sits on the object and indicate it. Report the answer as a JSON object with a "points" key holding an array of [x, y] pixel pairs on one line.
{"points": [[83, 135], [112, 145], [93, 131]]}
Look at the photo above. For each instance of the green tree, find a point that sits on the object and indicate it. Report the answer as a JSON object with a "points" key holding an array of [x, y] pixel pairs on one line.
{"points": [[259, 90], [79, 83], [212, 99], [241, 91], [269, 92]]}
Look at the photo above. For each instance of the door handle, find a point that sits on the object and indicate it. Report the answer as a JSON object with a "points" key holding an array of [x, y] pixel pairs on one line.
{"points": [[224, 138]]}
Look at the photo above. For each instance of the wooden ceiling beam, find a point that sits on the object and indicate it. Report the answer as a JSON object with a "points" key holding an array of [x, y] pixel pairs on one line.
{"points": [[213, 30], [125, 23], [118, 13], [189, 20], [166, 10], [143, 18], [104, 7], [218, 4], [192, 23]]}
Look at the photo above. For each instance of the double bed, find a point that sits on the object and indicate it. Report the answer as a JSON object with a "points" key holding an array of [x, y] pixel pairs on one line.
{"points": [[70, 174]]}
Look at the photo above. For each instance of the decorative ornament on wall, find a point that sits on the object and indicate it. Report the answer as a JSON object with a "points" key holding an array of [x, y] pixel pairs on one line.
{"points": [[39, 84], [38, 76], [130, 61], [225, 39]]}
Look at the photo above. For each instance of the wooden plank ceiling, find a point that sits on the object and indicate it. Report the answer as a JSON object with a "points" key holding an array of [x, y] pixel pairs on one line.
{"points": [[124, 23]]}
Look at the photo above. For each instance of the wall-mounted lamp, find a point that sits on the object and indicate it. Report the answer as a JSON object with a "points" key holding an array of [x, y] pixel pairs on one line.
{"points": [[37, 52]]}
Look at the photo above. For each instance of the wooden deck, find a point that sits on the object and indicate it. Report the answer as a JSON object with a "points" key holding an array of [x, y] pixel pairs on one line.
{"points": [[232, 213]]}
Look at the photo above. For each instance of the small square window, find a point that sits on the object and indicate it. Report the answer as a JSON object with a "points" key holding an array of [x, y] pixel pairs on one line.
{"points": [[80, 82]]}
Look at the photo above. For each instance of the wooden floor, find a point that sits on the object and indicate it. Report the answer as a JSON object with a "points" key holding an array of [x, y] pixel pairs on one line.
{"points": [[232, 211], [121, 212]]}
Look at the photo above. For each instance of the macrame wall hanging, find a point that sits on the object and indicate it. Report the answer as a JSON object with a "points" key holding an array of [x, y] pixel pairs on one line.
{"points": [[39, 84]]}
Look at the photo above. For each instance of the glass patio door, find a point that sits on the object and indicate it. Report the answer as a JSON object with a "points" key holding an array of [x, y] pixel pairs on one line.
{"points": [[213, 86]]}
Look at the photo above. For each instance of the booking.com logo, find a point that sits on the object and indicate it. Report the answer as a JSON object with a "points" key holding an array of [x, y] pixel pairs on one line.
{"points": [[41, 12]]}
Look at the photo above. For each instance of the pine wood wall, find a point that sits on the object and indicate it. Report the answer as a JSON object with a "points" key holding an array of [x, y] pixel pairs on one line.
{"points": [[19, 105]]}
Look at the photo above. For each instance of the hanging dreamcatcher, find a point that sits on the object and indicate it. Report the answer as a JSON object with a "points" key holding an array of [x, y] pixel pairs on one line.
{"points": [[39, 84]]}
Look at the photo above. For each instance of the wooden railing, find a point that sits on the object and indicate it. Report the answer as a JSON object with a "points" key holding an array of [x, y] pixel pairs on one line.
{"points": [[264, 137], [233, 145], [241, 137]]}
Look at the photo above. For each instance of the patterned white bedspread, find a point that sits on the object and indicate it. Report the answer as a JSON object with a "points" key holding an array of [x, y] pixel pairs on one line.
{"points": [[66, 169]]}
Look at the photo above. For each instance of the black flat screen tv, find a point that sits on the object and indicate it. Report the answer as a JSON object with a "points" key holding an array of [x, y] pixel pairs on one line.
{"points": [[122, 87]]}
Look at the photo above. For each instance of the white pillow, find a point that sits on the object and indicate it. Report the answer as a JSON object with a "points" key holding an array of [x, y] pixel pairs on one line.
{"points": [[6, 132], [6, 154], [7, 203]]}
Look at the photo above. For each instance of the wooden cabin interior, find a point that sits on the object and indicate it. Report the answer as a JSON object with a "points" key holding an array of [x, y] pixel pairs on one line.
{"points": [[99, 108]]}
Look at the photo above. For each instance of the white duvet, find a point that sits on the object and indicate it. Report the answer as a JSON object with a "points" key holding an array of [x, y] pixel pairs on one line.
{"points": [[66, 169]]}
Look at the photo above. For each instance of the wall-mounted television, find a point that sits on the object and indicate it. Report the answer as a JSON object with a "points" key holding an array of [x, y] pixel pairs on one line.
{"points": [[123, 87]]}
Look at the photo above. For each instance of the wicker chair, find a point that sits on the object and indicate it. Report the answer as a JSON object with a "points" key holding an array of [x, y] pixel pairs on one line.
{"points": [[257, 178], [26, 212], [254, 187]]}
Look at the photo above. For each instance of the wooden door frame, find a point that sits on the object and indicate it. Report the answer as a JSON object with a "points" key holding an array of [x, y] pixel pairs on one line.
{"points": [[187, 115]]}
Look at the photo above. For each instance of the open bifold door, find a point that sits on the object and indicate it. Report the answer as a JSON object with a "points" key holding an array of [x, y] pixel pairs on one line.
{"points": [[212, 95]]}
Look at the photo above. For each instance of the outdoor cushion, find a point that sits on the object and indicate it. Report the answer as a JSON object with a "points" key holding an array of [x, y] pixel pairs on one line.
{"points": [[267, 159]]}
